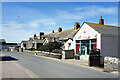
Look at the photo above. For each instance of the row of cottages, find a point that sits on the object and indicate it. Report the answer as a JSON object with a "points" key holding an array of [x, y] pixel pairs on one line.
{"points": [[61, 36], [91, 36], [35, 42]]}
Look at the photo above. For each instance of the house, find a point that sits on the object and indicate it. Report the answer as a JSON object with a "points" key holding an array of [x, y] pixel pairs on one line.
{"points": [[15, 45], [2, 44], [6, 46], [62, 36], [100, 36], [23, 44], [34, 42]]}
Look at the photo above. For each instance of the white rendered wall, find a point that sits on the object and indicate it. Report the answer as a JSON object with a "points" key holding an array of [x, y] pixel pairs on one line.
{"points": [[67, 46], [89, 32], [85, 32]]}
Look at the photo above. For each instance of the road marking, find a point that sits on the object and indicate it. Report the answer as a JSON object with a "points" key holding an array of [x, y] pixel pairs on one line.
{"points": [[27, 71]]}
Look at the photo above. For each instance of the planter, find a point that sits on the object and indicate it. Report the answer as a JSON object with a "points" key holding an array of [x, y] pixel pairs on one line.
{"points": [[77, 57]]}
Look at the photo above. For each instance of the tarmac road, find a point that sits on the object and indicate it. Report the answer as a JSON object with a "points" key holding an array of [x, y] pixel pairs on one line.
{"points": [[47, 68]]}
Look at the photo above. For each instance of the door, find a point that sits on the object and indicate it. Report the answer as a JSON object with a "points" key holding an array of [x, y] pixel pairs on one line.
{"points": [[85, 48]]}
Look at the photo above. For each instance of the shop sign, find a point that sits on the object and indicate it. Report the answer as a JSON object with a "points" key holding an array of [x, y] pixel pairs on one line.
{"points": [[84, 37]]}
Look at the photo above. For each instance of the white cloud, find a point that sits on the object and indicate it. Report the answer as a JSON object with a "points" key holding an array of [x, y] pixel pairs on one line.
{"points": [[39, 22], [112, 23], [33, 23], [14, 24], [86, 12], [14, 35], [14, 32]]}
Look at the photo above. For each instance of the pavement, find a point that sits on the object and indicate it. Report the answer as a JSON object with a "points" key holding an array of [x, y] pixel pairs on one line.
{"points": [[11, 69], [45, 67]]}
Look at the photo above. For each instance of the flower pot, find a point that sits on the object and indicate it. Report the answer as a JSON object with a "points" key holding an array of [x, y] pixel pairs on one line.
{"points": [[77, 57]]}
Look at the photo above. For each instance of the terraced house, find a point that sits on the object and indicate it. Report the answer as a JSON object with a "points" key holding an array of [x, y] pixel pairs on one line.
{"points": [[33, 42], [62, 36]]}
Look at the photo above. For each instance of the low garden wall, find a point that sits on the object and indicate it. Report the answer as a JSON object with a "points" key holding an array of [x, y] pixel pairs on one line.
{"points": [[111, 63], [42, 53], [68, 54]]}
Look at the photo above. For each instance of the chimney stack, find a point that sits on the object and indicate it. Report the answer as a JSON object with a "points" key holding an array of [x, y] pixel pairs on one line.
{"points": [[30, 38], [53, 31], [40, 34], [101, 21], [35, 36], [76, 26], [60, 29]]}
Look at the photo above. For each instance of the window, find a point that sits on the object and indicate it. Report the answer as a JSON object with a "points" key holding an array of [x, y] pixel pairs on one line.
{"points": [[69, 45], [77, 41]]}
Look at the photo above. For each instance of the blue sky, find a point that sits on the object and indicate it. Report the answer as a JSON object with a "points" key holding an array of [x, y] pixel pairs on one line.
{"points": [[20, 20]]}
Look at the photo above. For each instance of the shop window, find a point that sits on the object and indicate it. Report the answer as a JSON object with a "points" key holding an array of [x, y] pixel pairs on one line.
{"points": [[77, 41], [94, 46], [77, 48], [85, 41], [93, 40]]}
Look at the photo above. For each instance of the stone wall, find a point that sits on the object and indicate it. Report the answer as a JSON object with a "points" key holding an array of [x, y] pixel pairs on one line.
{"points": [[42, 53], [111, 63]]}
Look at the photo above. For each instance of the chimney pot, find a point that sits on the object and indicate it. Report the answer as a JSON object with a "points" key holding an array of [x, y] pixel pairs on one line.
{"points": [[101, 21], [60, 29], [53, 31], [76, 26], [40, 34], [34, 36]]}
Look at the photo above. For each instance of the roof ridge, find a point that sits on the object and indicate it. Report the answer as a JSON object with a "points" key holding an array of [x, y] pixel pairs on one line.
{"points": [[57, 32], [102, 25]]}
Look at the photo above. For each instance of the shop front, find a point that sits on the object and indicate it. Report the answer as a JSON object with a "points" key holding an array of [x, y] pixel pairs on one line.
{"points": [[83, 47]]}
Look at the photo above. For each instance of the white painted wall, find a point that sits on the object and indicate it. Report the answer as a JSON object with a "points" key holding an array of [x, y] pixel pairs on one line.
{"points": [[85, 32], [89, 32], [67, 45]]}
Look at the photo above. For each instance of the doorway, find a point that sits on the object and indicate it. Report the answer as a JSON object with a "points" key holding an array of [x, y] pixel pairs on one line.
{"points": [[85, 47]]}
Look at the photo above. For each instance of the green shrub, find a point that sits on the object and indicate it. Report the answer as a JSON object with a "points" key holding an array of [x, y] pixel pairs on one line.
{"points": [[76, 55], [32, 49], [57, 51], [48, 47]]}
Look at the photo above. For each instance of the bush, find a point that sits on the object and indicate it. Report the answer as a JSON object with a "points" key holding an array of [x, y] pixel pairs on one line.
{"points": [[31, 49], [57, 51], [48, 47]]}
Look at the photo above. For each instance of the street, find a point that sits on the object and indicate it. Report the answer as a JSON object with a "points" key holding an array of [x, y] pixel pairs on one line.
{"points": [[48, 68]]}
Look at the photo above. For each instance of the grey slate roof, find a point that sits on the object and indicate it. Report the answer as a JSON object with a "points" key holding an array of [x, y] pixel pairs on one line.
{"points": [[39, 40], [63, 35], [104, 29], [2, 40], [25, 42]]}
